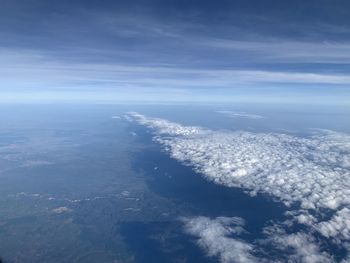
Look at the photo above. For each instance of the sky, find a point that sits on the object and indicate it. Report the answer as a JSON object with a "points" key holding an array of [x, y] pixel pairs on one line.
{"points": [[173, 51]]}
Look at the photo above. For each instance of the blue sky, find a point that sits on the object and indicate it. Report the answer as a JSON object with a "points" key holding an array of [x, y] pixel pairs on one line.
{"points": [[170, 51]]}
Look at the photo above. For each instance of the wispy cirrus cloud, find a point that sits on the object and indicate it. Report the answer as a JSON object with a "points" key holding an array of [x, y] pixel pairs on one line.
{"points": [[283, 51], [26, 72], [39, 69], [198, 51]]}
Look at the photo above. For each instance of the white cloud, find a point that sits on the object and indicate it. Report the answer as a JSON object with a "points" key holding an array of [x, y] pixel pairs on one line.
{"points": [[42, 70], [233, 114], [312, 173], [221, 237], [165, 127], [293, 51], [60, 210], [303, 246], [45, 78], [338, 226], [215, 236]]}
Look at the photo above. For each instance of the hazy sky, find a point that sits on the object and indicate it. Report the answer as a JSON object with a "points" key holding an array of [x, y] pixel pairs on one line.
{"points": [[110, 51]]}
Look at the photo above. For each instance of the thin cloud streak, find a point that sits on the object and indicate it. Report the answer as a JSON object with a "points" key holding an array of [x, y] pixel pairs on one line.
{"points": [[282, 51], [36, 70]]}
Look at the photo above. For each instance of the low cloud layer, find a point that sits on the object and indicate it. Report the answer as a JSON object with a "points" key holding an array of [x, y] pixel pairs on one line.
{"points": [[217, 237], [310, 175], [221, 237]]}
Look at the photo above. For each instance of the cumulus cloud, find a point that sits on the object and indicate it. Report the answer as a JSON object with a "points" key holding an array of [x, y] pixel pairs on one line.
{"points": [[303, 247], [220, 237], [310, 175], [165, 127], [338, 226]]}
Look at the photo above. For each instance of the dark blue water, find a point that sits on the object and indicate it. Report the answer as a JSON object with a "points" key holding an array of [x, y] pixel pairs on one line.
{"points": [[160, 242]]}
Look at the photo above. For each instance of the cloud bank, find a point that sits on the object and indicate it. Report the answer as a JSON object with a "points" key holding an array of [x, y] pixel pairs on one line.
{"points": [[310, 175]]}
